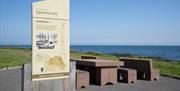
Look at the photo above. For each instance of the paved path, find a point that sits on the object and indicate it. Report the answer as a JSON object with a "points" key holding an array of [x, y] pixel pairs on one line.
{"points": [[10, 80], [164, 84]]}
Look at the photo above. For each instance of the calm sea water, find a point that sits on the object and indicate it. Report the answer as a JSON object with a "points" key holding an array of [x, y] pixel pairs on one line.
{"points": [[165, 52]]}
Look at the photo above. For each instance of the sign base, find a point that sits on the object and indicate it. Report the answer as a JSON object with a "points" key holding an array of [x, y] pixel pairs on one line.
{"points": [[67, 84]]}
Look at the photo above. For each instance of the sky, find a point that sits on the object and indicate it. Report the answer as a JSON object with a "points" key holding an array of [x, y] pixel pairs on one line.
{"points": [[100, 22]]}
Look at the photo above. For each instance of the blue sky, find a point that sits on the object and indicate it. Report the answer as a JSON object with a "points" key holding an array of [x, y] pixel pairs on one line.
{"points": [[101, 22]]}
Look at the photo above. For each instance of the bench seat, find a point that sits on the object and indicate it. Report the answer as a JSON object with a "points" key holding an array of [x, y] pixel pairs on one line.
{"points": [[127, 75], [82, 79]]}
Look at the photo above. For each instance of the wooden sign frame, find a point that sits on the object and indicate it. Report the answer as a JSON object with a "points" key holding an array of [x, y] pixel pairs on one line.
{"points": [[50, 39]]}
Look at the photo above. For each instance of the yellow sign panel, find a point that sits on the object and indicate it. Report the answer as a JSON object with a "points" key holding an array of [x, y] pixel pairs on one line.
{"points": [[50, 40]]}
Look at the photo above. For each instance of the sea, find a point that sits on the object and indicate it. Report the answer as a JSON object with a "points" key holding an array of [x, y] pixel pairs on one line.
{"points": [[164, 52]]}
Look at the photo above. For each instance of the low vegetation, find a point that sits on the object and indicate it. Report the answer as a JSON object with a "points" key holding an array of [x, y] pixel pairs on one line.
{"points": [[10, 57], [17, 56]]}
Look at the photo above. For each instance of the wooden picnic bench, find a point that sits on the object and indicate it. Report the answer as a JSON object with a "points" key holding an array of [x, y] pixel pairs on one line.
{"points": [[144, 68], [102, 72]]}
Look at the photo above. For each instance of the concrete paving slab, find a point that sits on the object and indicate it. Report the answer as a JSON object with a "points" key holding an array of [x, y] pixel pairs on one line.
{"points": [[164, 84], [10, 80]]}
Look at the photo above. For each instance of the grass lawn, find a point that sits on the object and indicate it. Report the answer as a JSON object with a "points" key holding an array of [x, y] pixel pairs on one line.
{"points": [[10, 57], [17, 56], [167, 68]]}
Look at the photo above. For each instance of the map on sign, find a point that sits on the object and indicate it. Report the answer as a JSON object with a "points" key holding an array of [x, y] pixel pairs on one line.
{"points": [[50, 39]]}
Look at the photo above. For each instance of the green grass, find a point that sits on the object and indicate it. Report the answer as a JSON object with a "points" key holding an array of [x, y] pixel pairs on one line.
{"points": [[167, 67], [77, 55], [10, 57]]}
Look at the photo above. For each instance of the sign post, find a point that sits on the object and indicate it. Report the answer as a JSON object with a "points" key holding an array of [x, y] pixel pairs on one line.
{"points": [[50, 49], [50, 39]]}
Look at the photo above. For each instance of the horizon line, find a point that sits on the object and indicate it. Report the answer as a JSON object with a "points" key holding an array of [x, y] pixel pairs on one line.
{"points": [[91, 45]]}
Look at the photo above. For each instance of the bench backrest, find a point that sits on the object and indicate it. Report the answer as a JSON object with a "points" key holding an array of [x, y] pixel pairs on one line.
{"points": [[88, 57], [141, 65]]}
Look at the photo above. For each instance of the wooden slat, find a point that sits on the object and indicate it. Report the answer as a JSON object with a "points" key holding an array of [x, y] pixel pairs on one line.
{"points": [[98, 62]]}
